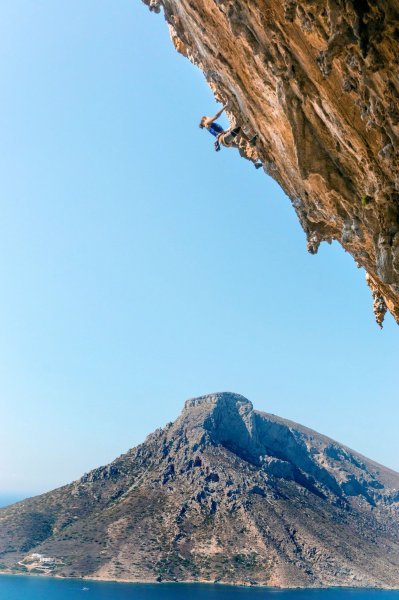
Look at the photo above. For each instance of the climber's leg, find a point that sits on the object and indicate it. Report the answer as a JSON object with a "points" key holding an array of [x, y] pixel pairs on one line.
{"points": [[228, 138], [234, 132]]}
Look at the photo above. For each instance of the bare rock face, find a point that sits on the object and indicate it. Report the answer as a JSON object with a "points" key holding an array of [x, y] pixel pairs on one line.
{"points": [[225, 493], [318, 81]]}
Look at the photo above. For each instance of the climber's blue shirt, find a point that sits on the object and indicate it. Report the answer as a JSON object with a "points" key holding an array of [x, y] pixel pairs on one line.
{"points": [[215, 129]]}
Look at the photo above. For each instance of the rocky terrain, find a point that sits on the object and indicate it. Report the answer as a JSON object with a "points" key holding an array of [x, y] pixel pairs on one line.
{"points": [[318, 81], [225, 493]]}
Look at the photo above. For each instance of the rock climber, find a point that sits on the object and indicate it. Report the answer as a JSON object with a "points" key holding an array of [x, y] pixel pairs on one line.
{"points": [[225, 137]]}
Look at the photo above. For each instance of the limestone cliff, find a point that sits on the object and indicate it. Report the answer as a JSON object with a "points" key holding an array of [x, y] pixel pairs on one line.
{"points": [[225, 493], [318, 81]]}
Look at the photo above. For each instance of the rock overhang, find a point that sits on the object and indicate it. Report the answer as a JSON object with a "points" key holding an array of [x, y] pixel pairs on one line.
{"points": [[315, 80]]}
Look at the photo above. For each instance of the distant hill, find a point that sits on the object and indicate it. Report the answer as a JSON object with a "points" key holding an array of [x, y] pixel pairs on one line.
{"points": [[7, 499], [225, 493]]}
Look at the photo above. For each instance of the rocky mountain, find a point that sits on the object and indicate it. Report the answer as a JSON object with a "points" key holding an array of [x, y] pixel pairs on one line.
{"points": [[318, 81], [225, 493]]}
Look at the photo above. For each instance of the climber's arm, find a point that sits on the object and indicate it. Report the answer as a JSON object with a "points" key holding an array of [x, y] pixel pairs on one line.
{"points": [[212, 119]]}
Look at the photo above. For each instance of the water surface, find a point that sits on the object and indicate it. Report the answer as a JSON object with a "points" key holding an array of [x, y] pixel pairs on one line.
{"points": [[40, 588], [7, 499]]}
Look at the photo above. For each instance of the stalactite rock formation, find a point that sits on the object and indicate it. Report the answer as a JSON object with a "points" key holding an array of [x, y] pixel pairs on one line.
{"points": [[318, 82]]}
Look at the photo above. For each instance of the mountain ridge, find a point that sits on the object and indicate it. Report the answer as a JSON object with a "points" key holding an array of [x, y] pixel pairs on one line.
{"points": [[224, 493]]}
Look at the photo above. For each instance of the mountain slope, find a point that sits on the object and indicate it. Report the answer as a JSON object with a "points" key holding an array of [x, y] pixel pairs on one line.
{"points": [[224, 493], [317, 81]]}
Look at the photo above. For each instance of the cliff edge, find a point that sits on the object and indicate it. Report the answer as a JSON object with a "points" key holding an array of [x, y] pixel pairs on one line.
{"points": [[318, 81]]}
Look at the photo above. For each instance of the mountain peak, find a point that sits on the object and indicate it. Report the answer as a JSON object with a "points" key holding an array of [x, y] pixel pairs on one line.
{"points": [[220, 399]]}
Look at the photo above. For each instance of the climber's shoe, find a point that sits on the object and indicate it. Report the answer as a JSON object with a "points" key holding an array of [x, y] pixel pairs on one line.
{"points": [[253, 140], [217, 146]]}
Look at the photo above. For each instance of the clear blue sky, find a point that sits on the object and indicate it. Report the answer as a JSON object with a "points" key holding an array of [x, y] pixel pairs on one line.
{"points": [[139, 268]]}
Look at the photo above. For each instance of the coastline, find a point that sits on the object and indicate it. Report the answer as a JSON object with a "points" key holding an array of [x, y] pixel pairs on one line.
{"points": [[203, 582]]}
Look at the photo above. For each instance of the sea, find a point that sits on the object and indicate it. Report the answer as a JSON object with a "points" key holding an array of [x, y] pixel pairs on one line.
{"points": [[19, 587]]}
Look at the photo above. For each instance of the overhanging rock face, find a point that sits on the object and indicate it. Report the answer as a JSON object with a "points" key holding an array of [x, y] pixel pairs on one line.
{"points": [[318, 81]]}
